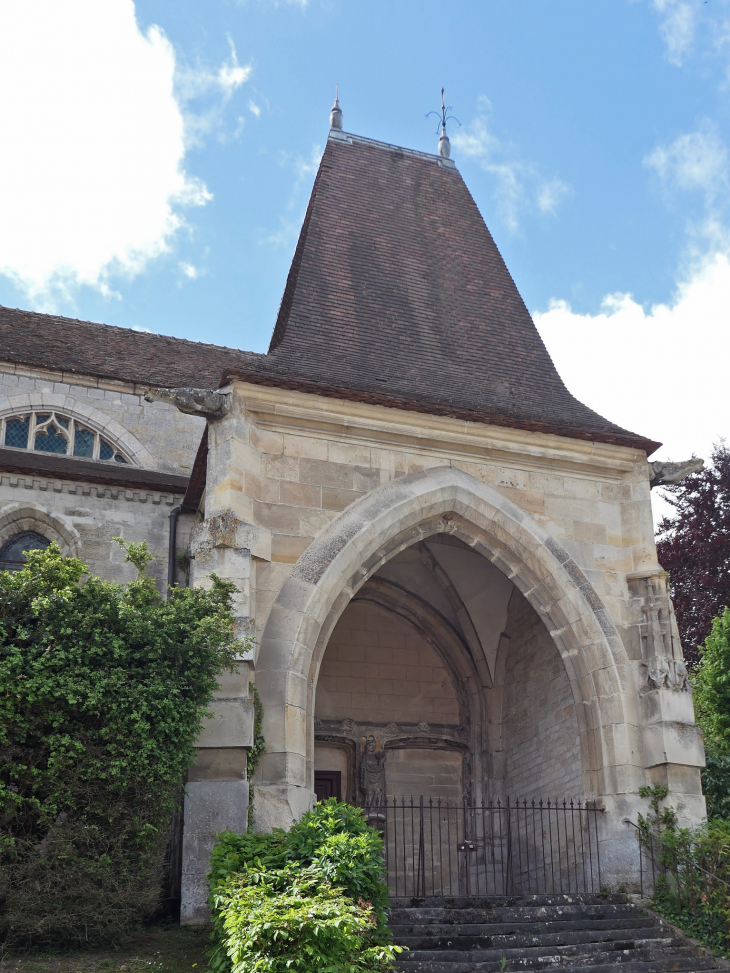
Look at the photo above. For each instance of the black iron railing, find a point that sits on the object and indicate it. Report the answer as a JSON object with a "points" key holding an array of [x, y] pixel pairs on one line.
{"points": [[435, 847]]}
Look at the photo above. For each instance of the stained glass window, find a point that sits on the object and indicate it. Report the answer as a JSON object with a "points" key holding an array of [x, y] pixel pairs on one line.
{"points": [[84, 442], [12, 556], [51, 440], [49, 432], [16, 432]]}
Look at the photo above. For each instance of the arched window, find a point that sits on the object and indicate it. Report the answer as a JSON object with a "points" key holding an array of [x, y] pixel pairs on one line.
{"points": [[12, 556], [53, 432]]}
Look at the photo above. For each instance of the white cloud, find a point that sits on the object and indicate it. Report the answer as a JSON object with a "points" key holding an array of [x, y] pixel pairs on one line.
{"points": [[305, 168], [519, 185], [189, 270], [695, 161], [550, 194], [254, 108], [93, 183], [660, 372], [204, 92], [677, 26]]}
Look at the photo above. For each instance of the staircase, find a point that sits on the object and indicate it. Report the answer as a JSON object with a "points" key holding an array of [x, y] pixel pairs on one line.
{"points": [[582, 933]]}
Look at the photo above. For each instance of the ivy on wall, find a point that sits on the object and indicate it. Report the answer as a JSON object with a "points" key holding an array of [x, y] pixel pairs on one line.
{"points": [[257, 750]]}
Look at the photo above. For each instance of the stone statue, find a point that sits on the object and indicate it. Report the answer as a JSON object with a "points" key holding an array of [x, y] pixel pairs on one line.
{"points": [[372, 774], [667, 473]]}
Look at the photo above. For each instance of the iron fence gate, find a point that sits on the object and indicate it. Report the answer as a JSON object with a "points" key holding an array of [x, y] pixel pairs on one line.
{"points": [[439, 847]]}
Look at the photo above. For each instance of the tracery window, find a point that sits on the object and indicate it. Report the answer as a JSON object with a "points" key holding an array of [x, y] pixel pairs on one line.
{"points": [[12, 556], [53, 432]]}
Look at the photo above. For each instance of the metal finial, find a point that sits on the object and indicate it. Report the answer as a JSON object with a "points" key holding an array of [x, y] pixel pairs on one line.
{"points": [[444, 143], [336, 112]]}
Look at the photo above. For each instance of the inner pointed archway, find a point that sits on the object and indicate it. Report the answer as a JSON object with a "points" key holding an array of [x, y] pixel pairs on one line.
{"points": [[412, 666]]}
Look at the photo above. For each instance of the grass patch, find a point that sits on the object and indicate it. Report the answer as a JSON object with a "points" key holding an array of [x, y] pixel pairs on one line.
{"points": [[157, 949]]}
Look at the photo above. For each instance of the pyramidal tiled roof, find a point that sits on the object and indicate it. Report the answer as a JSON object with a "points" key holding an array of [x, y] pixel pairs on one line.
{"points": [[397, 295], [398, 290]]}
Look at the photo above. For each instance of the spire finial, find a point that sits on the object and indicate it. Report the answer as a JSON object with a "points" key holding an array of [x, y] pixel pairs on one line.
{"points": [[336, 112], [444, 143]]}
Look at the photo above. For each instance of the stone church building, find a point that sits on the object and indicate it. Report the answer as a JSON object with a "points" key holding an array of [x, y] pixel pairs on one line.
{"points": [[447, 562]]}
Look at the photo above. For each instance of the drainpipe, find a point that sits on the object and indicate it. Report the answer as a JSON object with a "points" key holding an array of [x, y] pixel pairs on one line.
{"points": [[174, 514]]}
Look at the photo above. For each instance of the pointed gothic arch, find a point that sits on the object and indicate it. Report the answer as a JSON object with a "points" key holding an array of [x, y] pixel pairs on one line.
{"points": [[371, 531]]}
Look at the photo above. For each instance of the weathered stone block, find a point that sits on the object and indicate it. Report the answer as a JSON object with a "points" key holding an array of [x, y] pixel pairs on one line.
{"points": [[230, 726], [210, 807], [673, 743]]}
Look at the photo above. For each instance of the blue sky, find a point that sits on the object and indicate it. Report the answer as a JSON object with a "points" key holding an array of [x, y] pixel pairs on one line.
{"points": [[158, 158]]}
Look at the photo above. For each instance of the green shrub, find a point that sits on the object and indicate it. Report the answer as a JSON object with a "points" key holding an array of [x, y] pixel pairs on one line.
{"points": [[716, 783], [291, 920], [103, 691], [331, 858], [336, 838], [691, 871]]}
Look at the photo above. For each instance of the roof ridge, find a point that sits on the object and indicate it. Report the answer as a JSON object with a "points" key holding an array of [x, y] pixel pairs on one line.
{"points": [[337, 135], [119, 327]]}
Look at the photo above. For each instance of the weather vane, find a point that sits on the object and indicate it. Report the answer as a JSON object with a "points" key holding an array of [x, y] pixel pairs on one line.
{"points": [[444, 143]]}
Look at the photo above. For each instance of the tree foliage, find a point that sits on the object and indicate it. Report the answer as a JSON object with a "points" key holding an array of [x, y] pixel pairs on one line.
{"points": [[694, 547], [711, 685], [103, 689]]}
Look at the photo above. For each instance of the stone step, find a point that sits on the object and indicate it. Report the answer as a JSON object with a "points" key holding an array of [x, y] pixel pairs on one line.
{"points": [[489, 940], [599, 963], [490, 913], [585, 934], [479, 901], [517, 928], [585, 953]]}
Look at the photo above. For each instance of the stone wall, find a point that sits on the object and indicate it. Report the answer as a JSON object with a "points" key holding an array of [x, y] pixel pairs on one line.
{"points": [[539, 725], [154, 435], [293, 478], [378, 668], [169, 438]]}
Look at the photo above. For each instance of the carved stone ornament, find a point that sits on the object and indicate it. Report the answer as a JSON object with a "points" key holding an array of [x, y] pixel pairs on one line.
{"points": [[196, 402], [666, 473], [662, 673], [392, 728], [423, 726], [348, 726]]}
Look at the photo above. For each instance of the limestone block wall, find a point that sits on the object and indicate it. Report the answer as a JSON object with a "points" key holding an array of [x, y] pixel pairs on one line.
{"points": [[290, 462], [568, 521], [83, 518], [539, 725], [377, 668], [154, 435], [431, 773], [162, 438]]}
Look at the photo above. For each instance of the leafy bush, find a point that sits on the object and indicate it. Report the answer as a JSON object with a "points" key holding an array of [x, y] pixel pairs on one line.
{"points": [[104, 688], [291, 920], [692, 871], [320, 883]]}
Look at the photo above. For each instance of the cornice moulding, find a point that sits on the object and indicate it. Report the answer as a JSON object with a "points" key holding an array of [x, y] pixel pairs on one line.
{"points": [[300, 413]]}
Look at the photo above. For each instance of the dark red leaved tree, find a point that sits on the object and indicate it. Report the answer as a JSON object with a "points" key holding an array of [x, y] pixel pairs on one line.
{"points": [[694, 547]]}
